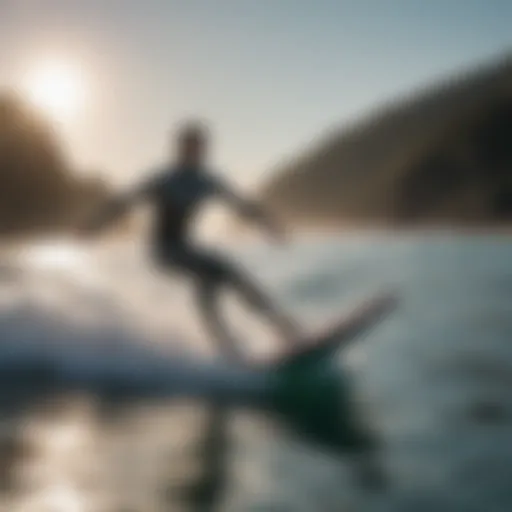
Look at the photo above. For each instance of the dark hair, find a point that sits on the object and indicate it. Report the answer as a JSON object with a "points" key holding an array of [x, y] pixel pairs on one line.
{"points": [[192, 131]]}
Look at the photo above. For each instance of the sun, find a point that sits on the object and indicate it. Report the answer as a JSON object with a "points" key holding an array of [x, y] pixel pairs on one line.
{"points": [[56, 87]]}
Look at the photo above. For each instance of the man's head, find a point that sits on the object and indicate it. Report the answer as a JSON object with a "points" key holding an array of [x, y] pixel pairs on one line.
{"points": [[192, 143]]}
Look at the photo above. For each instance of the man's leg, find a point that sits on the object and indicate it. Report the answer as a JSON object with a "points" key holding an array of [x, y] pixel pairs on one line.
{"points": [[181, 258], [207, 298], [217, 272], [256, 299]]}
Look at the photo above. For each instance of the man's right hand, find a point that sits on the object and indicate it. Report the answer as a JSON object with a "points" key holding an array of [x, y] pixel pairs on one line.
{"points": [[105, 216], [85, 230], [278, 233], [93, 224]]}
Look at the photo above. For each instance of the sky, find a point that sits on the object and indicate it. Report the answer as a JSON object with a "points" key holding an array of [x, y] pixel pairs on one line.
{"points": [[268, 75]]}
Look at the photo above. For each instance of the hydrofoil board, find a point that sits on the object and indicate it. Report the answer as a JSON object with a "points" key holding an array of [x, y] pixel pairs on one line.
{"points": [[339, 334]]}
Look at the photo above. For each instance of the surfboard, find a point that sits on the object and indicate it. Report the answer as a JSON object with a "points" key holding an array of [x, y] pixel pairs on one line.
{"points": [[311, 393], [339, 334]]}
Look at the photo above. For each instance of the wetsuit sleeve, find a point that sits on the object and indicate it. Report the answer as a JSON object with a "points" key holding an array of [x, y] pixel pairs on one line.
{"points": [[247, 208], [119, 205], [241, 204]]}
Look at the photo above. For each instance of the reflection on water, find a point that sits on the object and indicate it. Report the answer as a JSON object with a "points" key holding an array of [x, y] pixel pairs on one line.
{"points": [[434, 381], [63, 457]]}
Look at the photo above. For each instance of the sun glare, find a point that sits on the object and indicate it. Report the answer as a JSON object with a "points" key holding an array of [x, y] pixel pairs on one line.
{"points": [[55, 255], [57, 88]]}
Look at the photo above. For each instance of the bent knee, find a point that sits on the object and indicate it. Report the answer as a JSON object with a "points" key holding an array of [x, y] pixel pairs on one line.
{"points": [[215, 269]]}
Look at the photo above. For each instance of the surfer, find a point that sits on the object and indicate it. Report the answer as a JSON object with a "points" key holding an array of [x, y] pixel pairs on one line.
{"points": [[176, 193]]}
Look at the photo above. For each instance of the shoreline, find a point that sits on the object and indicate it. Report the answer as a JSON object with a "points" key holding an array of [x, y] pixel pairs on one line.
{"points": [[294, 233]]}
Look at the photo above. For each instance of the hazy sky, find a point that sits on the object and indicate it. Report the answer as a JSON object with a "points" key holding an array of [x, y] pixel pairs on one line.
{"points": [[268, 74]]}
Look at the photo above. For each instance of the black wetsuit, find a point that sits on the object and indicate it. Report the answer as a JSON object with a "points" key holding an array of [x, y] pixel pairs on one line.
{"points": [[177, 195]]}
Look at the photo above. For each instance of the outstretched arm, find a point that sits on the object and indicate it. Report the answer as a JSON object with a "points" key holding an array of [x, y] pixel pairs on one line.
{"points": [[118, 206], [251, 210]]}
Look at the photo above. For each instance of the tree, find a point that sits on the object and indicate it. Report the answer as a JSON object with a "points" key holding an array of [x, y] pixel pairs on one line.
{"points": [[38, 189]]}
